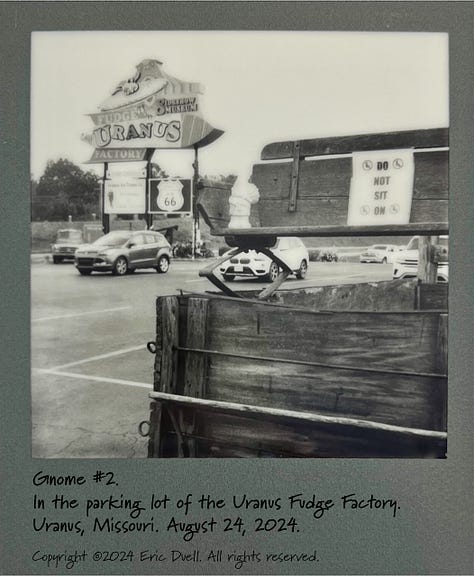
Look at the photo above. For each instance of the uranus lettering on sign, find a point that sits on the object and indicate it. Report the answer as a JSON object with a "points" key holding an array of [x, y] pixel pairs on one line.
{"points": [[144, 133], [151, 109], [381, 187], [170, 196]]}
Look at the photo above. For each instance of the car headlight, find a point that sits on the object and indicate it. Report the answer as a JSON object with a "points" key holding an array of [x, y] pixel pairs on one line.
{"points": [[102, 255]]}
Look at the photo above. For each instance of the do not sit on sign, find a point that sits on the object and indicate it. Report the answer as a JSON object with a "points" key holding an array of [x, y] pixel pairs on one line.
{"points": [[381, 187]]}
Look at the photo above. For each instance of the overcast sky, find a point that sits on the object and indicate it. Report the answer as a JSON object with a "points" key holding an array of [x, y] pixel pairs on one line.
{"points": [[259, 87]]}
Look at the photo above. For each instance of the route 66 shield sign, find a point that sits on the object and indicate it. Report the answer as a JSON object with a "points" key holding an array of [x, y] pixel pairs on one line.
{"points": [[170, 196]]}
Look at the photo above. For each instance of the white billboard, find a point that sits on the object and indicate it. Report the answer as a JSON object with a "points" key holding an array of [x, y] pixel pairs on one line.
{"points": [[125, 196]]}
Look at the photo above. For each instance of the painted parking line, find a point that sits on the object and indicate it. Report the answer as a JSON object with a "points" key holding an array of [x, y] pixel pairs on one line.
{"points": [[104, 379], [96, 312], [99, 357]]}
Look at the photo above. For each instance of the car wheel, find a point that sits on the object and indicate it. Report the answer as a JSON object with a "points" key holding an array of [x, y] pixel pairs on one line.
{"points": [[384, 260], [301, 273], [120, 266], [228, 277], [272, 272], [57, 259], [163, 265], [85, 271]]}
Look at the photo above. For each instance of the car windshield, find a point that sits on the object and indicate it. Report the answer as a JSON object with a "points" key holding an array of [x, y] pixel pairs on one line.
{"points": [[113, 239], [378, 247], [72, 235]]}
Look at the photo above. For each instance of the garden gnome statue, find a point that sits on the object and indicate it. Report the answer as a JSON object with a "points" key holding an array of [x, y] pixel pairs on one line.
{"points": [[243, 195]]}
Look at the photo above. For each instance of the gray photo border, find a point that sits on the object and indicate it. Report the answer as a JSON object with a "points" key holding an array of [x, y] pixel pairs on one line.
{"points": [[436, 533]]}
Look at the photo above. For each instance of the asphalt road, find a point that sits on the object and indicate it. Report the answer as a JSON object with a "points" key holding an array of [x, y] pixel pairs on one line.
{"points": [[91, 372]]}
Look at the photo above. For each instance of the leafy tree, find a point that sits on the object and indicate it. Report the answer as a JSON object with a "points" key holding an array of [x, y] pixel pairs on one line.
{"points": [[64, 189]]}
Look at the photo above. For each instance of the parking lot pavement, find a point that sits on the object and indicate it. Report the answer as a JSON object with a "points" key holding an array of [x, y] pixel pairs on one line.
{"points": [[91, 372]]}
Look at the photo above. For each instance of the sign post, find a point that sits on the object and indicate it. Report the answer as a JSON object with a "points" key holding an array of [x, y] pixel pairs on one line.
{"points": [[148, 216], [105, 216], [196, 230]]}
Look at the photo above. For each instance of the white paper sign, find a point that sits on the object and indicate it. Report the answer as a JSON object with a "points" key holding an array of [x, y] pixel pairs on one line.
{"points": [[381, 187], [125, 196]]}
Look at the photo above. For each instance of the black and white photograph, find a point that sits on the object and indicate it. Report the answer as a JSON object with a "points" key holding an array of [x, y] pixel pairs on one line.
{"points": [[239, 244], [236, 287]]}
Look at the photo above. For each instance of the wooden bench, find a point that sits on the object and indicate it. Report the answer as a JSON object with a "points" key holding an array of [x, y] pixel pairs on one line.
{"points": [[304, 191]]}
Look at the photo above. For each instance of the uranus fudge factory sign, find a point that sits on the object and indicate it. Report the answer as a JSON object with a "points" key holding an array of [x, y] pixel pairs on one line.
{"points": [[149, 110]]}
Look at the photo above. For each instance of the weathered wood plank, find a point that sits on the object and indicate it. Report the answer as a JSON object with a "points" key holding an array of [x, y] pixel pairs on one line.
{"points": [[432, 296], [240, 437], [165, 372], [442, 358], [427, 267], [418, 228], [319, 211], [155, 434], [399, 400], [196, 337], [195, 364], [393, 295], [437, 137], [399, 341], [295, 173], [213, 203], [169, 341], [351, 425], [234, 430]]}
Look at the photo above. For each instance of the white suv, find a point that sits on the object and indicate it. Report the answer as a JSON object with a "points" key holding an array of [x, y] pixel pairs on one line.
{"points": [[406, 261], [255, 264], [380, 253]]}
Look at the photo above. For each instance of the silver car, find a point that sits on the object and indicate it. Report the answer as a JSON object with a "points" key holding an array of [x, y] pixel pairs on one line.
{"points": [[122, 252], [65, 245]]}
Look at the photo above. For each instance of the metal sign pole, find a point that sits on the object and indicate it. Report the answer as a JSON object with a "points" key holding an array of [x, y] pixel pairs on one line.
{"points": [[148, 216], [105, 217], [195, 199]]}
